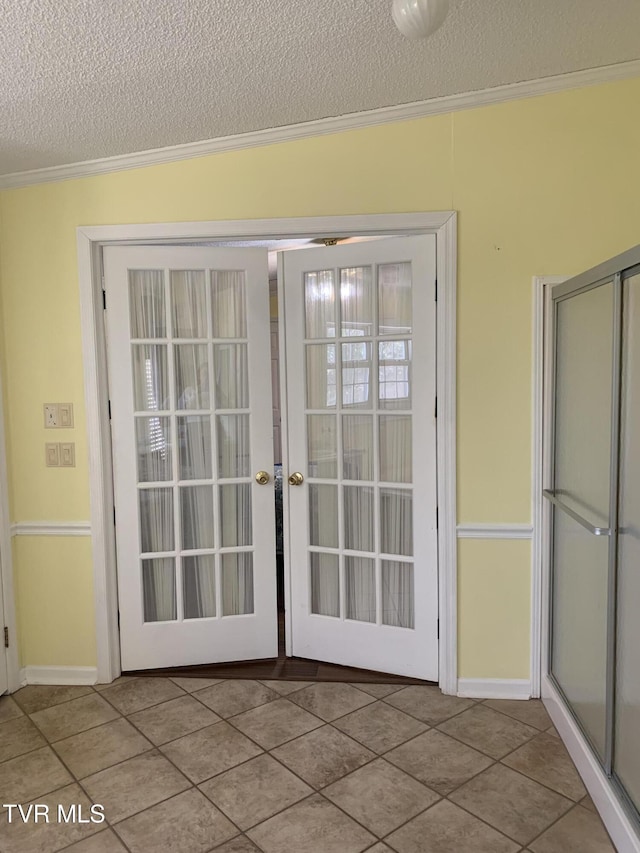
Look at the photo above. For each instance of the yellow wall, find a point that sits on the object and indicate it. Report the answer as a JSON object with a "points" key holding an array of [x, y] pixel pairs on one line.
{"points": [[543, 186]]}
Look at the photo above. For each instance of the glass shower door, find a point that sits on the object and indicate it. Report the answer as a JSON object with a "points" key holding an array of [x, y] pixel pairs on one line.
{"points": [[581, 494]]}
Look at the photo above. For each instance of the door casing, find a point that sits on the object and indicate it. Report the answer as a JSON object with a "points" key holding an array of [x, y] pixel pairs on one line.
{"points": [[91, 240]]}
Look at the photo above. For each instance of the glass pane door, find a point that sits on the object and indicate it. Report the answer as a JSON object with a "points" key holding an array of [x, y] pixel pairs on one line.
{"points": [[190, 376], [582, 460], [358, 318]]}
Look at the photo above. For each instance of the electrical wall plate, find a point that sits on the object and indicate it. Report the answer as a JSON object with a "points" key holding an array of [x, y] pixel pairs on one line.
{"points": [[52, 455], [65, 419], [67, 455], [51, 416]]}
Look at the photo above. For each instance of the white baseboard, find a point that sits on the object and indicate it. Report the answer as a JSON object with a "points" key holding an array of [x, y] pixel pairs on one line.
{"points": [[58, 675], [623, 833], [494, 688]]}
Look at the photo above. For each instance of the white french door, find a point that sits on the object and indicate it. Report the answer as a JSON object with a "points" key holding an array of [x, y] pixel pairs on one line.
{"points": [[360, 340], [190, 389]]}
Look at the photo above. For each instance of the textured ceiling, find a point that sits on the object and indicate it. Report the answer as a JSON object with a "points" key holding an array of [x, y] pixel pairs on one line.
{"points": [[83, 79]]}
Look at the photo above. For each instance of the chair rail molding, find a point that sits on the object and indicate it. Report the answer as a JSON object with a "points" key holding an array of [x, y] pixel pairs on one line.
{"points": [[484, 530], [51, 528]]}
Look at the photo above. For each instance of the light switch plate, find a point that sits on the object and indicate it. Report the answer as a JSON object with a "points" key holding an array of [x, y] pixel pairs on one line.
{"points": [[52, 455], [51, 416], [67, 455], [65, 419]]}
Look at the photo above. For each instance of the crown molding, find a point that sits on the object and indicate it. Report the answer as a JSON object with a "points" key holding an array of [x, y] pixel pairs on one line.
{"points": [[322, 127]]}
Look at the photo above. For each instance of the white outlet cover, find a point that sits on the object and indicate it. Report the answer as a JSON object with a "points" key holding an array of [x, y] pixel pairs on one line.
{"points": [[51, 415], [52, 455]]}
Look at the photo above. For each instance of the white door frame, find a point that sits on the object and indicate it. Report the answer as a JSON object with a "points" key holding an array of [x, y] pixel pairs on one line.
{"points": [[91, 239], [8, 618]]}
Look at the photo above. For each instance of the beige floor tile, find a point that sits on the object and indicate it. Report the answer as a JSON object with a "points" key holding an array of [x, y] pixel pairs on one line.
{"points": [[428, 704], [134, 785], [235, 696], [380, 727], [580, 831], [9, 709], [546, 760], [323, 756], [19, 837], [275, 723], [191, 685], [330, 700], [255, 791], [588, 803], [187, 823], [312, 826], [210, 751], [380, 797], [78, 715], [104, 842], [29, 776], [380, 848], [18, 736], [445, 828], [513, 804], [36, 697], [378, 691], [173, 719], [488, 730], [94, 750], [552, 731], [439, 761], [123, 679], [134, 694], [531, 711], [286, 687], [239, 844]]}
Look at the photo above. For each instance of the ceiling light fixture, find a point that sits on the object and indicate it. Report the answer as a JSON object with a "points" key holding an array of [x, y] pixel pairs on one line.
{"points": [[418, 19]]}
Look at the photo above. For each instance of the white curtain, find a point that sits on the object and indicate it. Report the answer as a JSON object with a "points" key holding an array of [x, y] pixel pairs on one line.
{"points": [[188, 304], [233, 446], [396, 458], [199, 586], [235, 514], [146, 304], [396, 522], [325, 584], [394, 299], [323, 515], [360, 589], [397, 594], [320, 304], [159, 589], [359, 519], [228, 304], [237, 583]]}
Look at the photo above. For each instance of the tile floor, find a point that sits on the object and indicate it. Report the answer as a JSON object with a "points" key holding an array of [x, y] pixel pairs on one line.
{"points": [[192, 766]]}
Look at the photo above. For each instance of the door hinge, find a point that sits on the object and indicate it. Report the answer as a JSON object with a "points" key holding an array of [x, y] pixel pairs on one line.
{"points": [[6, 638], [436, 290], [114, 516], [104, 299], [435, 409], [437, 520], [438, 629], [118, 620], [109, 407]]}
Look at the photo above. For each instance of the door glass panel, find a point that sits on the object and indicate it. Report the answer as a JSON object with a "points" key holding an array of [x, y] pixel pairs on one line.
{"points": [[194, 443], [153, 445], [150, 378], [156, 520], [360, 589], [394, 374], [356, 375], [584, 350], [356, 301], [322, 446], [626, 762], [188, 304], [396, 522], [235, 514], [320, 304], [357, 447], [228, 303], [192, 376], [196, 515], [359, 520], [325, 584], [323, 515], [233, 446], [398, 604], [232, 377], [321, 376], [159, 589], [237, 583], [146, 304], [395, 449], [199, 586], [394, 299]]}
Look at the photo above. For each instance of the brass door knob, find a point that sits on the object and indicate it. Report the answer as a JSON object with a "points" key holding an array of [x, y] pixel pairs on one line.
{"points": [[296, 479], [262, 478]]}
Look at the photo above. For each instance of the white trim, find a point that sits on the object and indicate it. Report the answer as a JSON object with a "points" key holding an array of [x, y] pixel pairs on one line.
{"points": [[7, 598], [494, 531], [494, 688], [540, 441], [90, 240], [333, 124], [59, 675], [51, 528], [622, 831]]}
